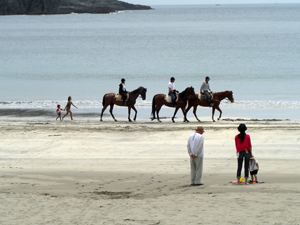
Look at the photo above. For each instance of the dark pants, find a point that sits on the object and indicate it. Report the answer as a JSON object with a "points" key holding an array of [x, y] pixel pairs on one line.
{"points": [[124, 96], [173, 96], [208, 96], [240, 160]]}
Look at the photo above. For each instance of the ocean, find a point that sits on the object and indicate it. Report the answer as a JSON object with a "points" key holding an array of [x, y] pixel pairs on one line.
{"points": [[252, 50]]}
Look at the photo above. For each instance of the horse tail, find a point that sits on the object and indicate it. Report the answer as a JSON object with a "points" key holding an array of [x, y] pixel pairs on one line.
{"points": [[153, 107], [103, 100]]}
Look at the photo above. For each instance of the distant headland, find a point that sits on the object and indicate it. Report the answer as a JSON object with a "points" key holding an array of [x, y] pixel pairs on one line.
{"points": [[39, 7]]}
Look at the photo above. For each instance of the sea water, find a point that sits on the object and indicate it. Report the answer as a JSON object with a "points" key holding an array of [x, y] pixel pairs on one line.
{"points": [[252, 50]]}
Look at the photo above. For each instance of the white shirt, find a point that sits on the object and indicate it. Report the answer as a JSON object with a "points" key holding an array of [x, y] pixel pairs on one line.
{"points": [[171, 85], [195, 145], [252, 165], [124, 87], [204, 87]]}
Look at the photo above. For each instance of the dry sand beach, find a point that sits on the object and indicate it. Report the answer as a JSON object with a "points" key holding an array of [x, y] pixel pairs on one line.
{"points": [[86, 172]]}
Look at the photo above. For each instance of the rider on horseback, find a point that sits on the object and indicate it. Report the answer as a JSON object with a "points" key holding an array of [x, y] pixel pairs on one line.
{"points": [[172, 90], [122, 90], [205, 90]]}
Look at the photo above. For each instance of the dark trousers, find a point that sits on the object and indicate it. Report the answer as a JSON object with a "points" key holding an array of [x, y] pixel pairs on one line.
{"points": [[208, 96], [124, 96], [173, 96], [240, 160]]}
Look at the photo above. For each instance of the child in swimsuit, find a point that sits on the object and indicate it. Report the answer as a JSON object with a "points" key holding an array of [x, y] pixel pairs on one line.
{"points": [[68, 107], [58, 111]]}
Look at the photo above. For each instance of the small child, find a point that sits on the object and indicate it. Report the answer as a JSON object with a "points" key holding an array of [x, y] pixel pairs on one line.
{"points": [[68, 107], [58, 111], [254, 168]]}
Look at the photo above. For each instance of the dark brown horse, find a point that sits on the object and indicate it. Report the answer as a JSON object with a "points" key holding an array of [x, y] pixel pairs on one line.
{"points": [[159, 100], [110, 100], [217, 98]]}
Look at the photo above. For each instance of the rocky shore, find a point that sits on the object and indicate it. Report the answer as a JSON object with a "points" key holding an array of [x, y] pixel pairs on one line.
{"points": [[38, 7]]}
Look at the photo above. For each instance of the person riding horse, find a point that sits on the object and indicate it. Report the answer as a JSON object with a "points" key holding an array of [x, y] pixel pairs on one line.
{"points": [[205, 90], [123, 91], [172, 90]]}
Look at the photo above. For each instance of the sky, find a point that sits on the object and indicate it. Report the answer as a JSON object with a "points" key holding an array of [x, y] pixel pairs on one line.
{"points": [[188, 2]]}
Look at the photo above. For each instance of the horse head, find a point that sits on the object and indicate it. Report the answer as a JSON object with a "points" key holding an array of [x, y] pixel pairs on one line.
{"points": [[229, 95], [143, 92], [189, 91]]}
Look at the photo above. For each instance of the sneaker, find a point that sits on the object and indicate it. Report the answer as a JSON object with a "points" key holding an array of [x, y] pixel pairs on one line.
{"points": [[197, 184]]}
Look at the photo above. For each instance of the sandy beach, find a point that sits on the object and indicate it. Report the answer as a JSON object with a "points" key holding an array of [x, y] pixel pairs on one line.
{"points": [[87, 172]]}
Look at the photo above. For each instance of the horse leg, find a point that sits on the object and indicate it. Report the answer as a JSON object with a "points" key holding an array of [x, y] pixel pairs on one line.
{"points": [[129, 108], [174, 114], [194, 111], [104, 107], [111, 111], [157, 109], [184, 114], [135, 113], [186, 111], [218, 108], [153, 118], [213, 113]]}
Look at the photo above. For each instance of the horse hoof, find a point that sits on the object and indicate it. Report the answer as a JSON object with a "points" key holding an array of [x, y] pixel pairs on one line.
{"points": [[159, 121], [116, 120]]}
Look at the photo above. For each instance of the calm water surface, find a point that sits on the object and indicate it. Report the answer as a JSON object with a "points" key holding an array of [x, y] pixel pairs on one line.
{"points": [[253, 50]]}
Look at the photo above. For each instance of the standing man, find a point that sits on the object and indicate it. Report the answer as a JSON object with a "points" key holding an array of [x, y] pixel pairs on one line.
{"points": [[172, 90], [122, 90], [196, 152], [205, 90]]}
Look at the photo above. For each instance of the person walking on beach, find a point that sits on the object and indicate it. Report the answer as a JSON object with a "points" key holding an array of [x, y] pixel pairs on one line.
{"points": [[58, 111], [205, 90], [254, 168], [123, 91], [196, 152], [68, 108], [172, 90], [243, 151]]}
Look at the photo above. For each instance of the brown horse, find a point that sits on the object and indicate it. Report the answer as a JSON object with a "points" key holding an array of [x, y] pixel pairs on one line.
{"points": [[217, 98], [159, 100], [110, 99]]}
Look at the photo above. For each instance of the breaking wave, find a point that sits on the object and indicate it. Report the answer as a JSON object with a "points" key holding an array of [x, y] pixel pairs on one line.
{"points": [[93, 104]]}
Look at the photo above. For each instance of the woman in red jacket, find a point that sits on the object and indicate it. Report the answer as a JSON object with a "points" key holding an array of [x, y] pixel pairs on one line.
{"points": [[243, 150]]}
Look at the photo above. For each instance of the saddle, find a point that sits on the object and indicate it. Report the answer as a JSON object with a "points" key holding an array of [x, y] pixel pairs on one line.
{"points": [[168, 98], [203, 98], [119, 97]]}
